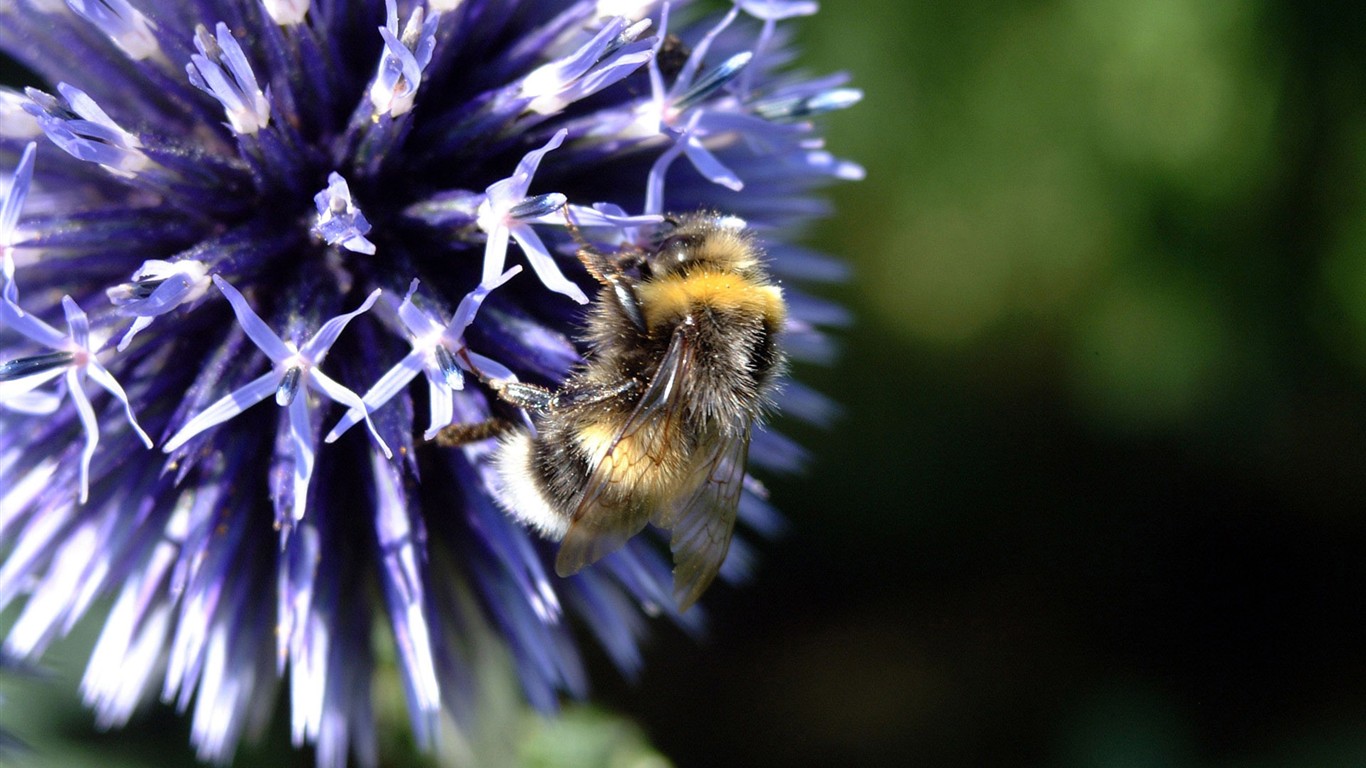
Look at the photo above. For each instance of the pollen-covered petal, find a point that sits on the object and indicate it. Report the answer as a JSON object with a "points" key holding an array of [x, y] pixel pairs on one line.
{"points": [[257, 330], [225, 408]]}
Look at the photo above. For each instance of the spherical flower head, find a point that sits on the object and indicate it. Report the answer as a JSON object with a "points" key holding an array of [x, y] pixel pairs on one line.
{"points": [[232, 230]]}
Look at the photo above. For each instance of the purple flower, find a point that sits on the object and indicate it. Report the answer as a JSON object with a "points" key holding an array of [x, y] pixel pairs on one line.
{"points": [[233, 199]]}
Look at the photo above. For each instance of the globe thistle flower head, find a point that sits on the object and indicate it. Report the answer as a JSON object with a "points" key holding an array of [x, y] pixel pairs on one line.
{"points": [[362, 211]]}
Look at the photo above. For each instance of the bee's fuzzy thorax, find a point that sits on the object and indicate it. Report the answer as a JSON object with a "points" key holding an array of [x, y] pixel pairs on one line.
{"points": [[668, 299]]}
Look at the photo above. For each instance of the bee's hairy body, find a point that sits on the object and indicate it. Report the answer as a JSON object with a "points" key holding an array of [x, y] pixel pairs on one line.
{"points": [[683, 356]]}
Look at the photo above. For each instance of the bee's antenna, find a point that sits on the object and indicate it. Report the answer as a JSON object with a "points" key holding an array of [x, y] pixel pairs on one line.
{"points": [[574, 230], [464, 353]]}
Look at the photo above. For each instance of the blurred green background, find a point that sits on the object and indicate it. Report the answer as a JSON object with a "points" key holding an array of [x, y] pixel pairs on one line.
{"points": [[1097, 496]]}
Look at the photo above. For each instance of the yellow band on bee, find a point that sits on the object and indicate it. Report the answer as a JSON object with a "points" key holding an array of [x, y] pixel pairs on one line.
{"points": [[671, 297]]}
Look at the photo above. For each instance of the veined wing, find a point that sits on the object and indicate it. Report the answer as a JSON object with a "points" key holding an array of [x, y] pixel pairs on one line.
{"points": [[702, 522], [615, 504]]}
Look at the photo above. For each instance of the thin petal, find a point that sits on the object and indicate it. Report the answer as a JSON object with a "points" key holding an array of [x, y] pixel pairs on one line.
{"points": [[227, 407], [531, 161], [699, 52], [315, 350], [88, 423], [440, 405], [469, 305], [102, 377], [77, 322], [33, 403], [391, 383], [707, 165], [544, 264], [260, 334], [301, 439], [14, 201], [495, 252], [334, 391], [31, 326]]}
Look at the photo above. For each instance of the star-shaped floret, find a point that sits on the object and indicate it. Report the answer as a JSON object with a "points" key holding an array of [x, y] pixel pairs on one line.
{"points": [[613, 53], [221, 70], [72, 357], [339, 220], [674, 112], [507, 212], [437, 352], [400, 68], [157, 287], [292, 369]]}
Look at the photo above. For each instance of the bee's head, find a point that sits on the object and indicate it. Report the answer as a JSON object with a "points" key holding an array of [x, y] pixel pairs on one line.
{"points": [[703, 241]]}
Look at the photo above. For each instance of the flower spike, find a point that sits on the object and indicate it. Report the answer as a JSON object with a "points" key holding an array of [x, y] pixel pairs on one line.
{"points": [[73, 359]]}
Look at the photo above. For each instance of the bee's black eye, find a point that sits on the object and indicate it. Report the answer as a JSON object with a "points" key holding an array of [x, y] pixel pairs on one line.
{"points": [[676, 247]]}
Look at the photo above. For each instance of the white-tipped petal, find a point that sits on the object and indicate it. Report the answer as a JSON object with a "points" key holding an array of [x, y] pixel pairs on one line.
{"points": [[225, 408]]}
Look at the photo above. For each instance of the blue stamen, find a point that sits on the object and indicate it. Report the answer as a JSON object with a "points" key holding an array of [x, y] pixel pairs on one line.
{"points": [[445, 362], [538, 206], [711, 82], [24, 367], [289, 386]]}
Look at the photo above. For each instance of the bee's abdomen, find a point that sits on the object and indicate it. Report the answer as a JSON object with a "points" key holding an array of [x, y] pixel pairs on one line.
{"points": [[542, 478]]}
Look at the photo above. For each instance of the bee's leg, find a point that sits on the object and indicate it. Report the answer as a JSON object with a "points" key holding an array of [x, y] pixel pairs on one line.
{"points": [[456, 435], [593, 394], [523, 395], [608, 270], [542, 400]]}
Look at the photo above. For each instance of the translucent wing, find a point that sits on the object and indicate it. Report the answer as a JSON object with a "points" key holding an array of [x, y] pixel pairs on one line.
{"points": [[703, 521], [614, 507]]}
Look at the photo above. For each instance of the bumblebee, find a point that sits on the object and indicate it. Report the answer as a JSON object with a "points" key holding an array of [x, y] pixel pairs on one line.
{"points": [[654, 427]]}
